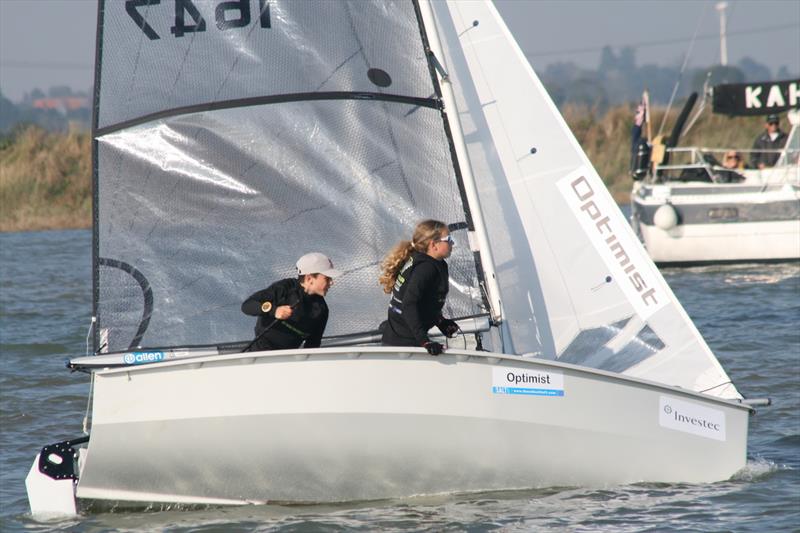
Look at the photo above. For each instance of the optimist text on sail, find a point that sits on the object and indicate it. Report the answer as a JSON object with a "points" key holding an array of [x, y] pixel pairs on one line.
{"points": [[584, 192]]}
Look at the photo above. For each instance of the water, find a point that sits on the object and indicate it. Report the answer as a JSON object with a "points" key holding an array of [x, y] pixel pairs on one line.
{"points": [[749, 315]]}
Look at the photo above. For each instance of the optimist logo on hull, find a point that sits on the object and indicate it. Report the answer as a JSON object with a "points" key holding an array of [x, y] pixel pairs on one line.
{"points": [[139, 358], [690, 417], [614, 241], [508, 380]]}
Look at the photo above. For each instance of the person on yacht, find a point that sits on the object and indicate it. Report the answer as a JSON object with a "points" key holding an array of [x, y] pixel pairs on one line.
{"points": [[772, 138], [415, 274], [292, 312], [731, 162]]}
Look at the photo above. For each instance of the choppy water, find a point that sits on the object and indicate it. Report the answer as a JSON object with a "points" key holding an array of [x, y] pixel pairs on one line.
{"points": [[749, 314]]}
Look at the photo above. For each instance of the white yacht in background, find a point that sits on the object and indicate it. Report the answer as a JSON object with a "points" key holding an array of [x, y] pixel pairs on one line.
{"points": [[690, 209], [226, 141]]}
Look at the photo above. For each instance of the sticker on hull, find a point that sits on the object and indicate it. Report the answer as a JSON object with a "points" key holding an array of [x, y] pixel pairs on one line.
{"points": [[508, 380], [140, 358], [690, 417]]}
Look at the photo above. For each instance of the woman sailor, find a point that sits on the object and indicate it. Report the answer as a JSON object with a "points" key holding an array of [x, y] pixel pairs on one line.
{"points": [[293, 311], [416, 275]]}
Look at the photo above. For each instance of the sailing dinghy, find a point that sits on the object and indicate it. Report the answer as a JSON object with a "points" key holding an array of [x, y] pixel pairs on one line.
{"points": [[231, 137]]}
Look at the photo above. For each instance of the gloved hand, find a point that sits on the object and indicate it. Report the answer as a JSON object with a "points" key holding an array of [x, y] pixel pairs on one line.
{"points": [[434, 348], [448, 327]]}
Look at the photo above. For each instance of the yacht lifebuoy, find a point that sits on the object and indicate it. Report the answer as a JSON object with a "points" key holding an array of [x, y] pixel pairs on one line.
{"points": [[665, 217]]}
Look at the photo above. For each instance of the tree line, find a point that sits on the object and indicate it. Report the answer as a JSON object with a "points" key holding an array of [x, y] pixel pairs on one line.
{"points": [[616, 80], [58, 109]]}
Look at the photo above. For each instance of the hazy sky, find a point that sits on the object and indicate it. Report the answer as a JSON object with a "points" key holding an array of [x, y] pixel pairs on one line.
{"points": [[51, 42]]}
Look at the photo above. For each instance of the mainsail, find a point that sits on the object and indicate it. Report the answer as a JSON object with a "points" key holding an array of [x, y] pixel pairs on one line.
{"points": [[231, 140], [576, 285]]}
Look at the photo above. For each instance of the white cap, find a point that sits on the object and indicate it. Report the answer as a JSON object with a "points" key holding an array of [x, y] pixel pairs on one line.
{"points": [[317, 263]]}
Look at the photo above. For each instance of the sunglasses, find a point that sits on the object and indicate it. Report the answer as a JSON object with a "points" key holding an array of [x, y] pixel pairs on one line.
{"points": [[731, 157], [449, 240]]}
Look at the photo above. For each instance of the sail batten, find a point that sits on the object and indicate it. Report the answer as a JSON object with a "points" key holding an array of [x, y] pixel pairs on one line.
{"points": [[274, 99]]}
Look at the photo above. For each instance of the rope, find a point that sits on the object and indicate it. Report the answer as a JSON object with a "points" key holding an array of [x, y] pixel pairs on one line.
{"points": [[88, 405], [91, 380], [716, 386], [683, 68], [706, 88], [89, 334]]}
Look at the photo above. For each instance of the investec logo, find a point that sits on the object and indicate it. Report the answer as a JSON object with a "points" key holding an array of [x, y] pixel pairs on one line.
{"points": [[610, 235], [690, 417], [138, 358]]}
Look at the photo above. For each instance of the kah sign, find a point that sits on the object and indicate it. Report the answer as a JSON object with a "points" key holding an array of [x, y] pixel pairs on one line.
{"points": [[757, 98]]}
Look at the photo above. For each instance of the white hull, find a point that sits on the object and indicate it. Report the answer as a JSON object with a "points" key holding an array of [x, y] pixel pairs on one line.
{"points": [[366, 423], [715, 243], [762, 236]]}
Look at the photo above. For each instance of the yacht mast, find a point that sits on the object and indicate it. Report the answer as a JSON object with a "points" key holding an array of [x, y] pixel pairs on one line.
{"points": [[479, 239], [723, 43]]}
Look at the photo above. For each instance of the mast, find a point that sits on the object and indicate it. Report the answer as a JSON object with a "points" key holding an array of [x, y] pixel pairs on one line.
{"points": [[479, 239], [723, 44]]}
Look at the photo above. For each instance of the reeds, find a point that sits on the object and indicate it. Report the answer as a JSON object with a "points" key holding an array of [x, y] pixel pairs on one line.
{"points": [[45, 180]]}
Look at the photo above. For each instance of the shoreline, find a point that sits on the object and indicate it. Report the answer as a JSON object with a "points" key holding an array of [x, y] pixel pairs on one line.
{"points": [[619, 199], [37, 229]]}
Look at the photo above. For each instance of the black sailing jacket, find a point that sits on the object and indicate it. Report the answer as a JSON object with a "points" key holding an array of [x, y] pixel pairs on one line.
{"points": [[307, 323], [417, 301], [763, 142]]}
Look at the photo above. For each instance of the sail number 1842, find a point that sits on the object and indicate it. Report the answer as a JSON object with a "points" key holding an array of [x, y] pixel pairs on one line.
{"points": [[228, 14]]}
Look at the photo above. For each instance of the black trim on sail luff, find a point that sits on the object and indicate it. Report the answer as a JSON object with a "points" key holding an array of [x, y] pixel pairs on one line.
{"points": [[266, 100], [98, 56], [430, 58]]}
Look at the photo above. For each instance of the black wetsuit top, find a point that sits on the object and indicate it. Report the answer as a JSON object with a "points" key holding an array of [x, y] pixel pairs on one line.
{"points": [[307, 323], [417, 300]]}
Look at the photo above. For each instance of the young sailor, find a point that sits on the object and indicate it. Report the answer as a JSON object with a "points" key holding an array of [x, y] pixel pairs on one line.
{"points": [[415, 273], [293, 311]]}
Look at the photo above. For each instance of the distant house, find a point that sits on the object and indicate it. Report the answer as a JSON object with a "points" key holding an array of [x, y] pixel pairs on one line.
{"points": [[62, 104]]}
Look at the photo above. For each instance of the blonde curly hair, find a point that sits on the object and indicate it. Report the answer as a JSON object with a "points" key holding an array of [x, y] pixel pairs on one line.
{"points": [[425, 232]]}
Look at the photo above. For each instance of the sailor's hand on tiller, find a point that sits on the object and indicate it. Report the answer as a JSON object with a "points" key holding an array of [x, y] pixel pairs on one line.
{"points": [[434, 348], [283, 312]]}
